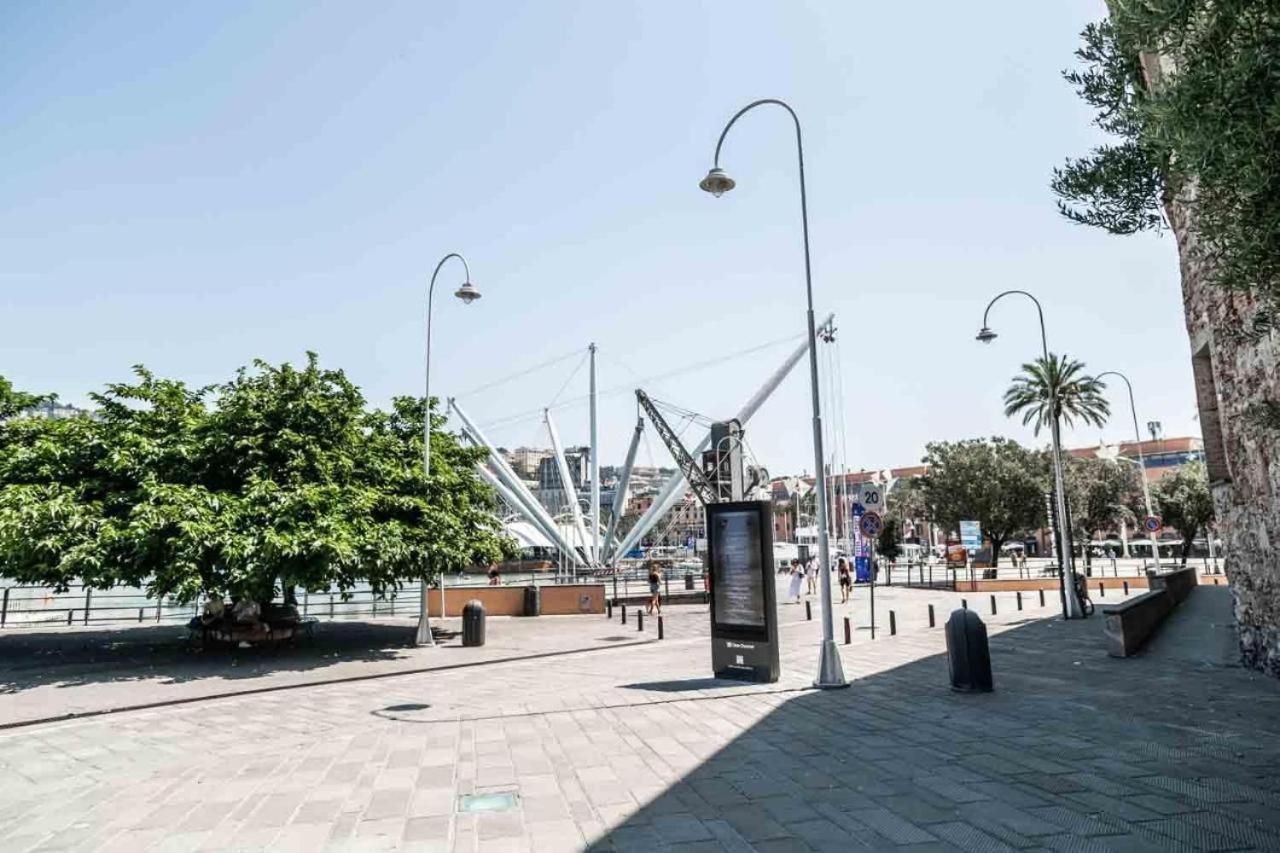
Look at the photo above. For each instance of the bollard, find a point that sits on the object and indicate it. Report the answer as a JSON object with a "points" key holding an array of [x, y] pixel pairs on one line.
{"points": [[473, 623], [1102, 591], [88, 598], [808, 611], [4, 608], [624, 614], [330, 605], [1126, 587], [532, 601], [660, 631], [639, 620], [609, 609], [1042, 598], [848, 631], [932, 623], [993, 605], [964, 605], [70, 614], [1019, 600], [968, 655], [140, 609], [893, 624]]}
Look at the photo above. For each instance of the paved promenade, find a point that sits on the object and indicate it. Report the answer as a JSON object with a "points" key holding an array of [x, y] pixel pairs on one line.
{"points": [[634, 748]]}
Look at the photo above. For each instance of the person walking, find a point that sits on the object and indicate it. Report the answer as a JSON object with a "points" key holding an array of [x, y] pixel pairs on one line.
{"points": [[846, 580], [797, 575], [810, 576], [655, 589]]}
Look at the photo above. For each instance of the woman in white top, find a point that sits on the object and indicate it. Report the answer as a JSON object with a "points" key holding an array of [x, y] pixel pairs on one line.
{"points": [[797, 574]]}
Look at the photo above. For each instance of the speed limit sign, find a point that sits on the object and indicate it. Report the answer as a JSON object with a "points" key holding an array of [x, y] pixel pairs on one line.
{"points": [[871, 496]]}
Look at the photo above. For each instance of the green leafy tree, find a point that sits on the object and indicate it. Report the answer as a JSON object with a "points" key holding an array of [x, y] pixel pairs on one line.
{"points": [[1189, 90], [997, 482], [1101, 494], [281, 478], [1078, 397], [1184, 502]]}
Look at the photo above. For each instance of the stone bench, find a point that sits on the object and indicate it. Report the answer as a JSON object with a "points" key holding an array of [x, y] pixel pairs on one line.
{"points": [[1131, 623]]}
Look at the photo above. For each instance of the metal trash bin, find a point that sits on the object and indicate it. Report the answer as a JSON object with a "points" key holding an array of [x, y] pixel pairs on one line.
{"points": [[688, 580], [473, 623], [532, 601], [968, 655]]}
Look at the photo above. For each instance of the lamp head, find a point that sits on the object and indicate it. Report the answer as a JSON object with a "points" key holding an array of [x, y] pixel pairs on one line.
{"points": [[716, 182], [467, 293], [986, 335]]}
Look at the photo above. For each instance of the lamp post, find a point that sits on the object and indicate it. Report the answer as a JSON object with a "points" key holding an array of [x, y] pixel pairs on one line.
{"points": [[1137, 436], [830, 671], [1071, 608], [468, 294]]}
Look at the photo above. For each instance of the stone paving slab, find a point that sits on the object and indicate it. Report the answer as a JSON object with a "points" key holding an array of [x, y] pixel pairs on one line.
{"points": [[635, 748]]}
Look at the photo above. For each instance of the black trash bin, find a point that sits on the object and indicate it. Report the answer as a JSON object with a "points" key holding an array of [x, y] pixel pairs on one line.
{"points": [[968, 654], [532, 601], [688, 580], [473, 623]]}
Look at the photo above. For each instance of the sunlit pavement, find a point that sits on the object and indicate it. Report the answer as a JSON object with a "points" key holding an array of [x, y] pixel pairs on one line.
{"points": [[635, 748]]}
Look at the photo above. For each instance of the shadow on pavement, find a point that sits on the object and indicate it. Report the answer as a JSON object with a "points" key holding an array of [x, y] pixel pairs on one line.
{"points": [[77, 658], [685, 685], [1074, 751]]}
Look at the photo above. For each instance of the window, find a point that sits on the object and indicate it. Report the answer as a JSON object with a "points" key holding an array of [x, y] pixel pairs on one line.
{"points": [[1215, 452]]}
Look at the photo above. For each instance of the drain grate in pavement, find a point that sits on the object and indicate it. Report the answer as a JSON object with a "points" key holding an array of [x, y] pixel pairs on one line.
{"points": [[496, 802]]}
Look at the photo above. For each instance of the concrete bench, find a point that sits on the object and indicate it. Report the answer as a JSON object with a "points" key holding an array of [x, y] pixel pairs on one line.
{"points": [[1131, 623], [1178, 583]]}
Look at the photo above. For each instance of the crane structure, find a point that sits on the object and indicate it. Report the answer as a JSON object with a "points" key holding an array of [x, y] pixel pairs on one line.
{"points": [[698, 482]]}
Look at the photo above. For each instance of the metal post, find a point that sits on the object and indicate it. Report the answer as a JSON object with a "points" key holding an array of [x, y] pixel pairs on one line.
{"points": [[808, 612], [1019, 595], [993, 605], [848, 631], [4, 608], [932, 623], [624, 614], [893, 624], [330, 605], [88, 598], [964, 604], [1126, 587], [1102, 591], [1041, 591], [609, 607], [661, 633], [140, 612], [639, 620], [830, 671]]}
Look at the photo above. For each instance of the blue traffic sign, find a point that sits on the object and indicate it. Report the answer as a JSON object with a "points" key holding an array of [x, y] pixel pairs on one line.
{"points": [[871, 524], [1152, 523]]}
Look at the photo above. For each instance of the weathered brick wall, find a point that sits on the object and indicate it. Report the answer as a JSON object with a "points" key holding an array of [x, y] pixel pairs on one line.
{"points": [[1234, 372]]}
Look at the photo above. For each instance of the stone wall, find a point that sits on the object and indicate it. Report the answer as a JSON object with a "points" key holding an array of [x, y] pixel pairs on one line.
{"points": [[1234, 372]]}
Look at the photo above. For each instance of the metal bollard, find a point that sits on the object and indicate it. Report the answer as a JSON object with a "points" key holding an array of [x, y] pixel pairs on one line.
{"points": [[1019, 600], [4, 608], [993, 605], [140, 609], [1102, 591], [893, 624], [624, 614], [1041, 598], [932, 622], [808, 611], [848, 631], [639, 620], [70, 614], [660, 631], [1126, 587], [330, 605], [88, 598], [964, 604], [609, 609]]}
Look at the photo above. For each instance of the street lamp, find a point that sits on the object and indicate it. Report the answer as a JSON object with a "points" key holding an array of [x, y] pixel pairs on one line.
{"points": [[468, 294], [1137, 435], [1070, 604], [830, 671]]}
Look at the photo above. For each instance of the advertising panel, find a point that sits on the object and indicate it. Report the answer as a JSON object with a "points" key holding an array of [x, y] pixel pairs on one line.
{"points": [[744, 629]]}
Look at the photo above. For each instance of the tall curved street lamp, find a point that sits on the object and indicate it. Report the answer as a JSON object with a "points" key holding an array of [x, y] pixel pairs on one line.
{"points": [[468, 294], [1137, 435], [1071, 608], [830, 671]]}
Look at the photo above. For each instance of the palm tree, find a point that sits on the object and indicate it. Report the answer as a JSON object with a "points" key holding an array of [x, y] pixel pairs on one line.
{"points": [[1060, 379]]}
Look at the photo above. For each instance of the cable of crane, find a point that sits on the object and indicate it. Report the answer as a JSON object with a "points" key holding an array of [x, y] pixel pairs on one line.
{"points": [[682, 412], [518, 374], [516, 417], [583, 361]]}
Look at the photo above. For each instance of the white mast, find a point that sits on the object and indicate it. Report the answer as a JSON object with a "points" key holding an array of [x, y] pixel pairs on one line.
{"points": [[566, 480], [595, 468], [620, 494]]}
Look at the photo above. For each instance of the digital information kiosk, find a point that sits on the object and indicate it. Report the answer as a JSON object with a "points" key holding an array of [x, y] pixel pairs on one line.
{"points": [[744, 625]]}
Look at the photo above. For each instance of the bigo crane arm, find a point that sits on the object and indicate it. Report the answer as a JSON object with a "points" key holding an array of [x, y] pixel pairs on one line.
{"points": [[692, 473]]}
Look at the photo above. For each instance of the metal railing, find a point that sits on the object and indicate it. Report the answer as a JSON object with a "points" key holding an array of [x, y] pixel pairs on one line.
{"points": [[81, 606]]}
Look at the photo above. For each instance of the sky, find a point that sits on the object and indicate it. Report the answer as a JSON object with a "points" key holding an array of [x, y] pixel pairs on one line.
{"points": [[193, 186]]}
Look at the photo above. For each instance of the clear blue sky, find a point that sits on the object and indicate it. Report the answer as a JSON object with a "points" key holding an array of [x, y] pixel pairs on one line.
{"points": [[191, 186]]}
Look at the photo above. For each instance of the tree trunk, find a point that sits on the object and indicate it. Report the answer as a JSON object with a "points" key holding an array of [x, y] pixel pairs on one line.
{"points": [[995, 550], [1186, 549]]}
